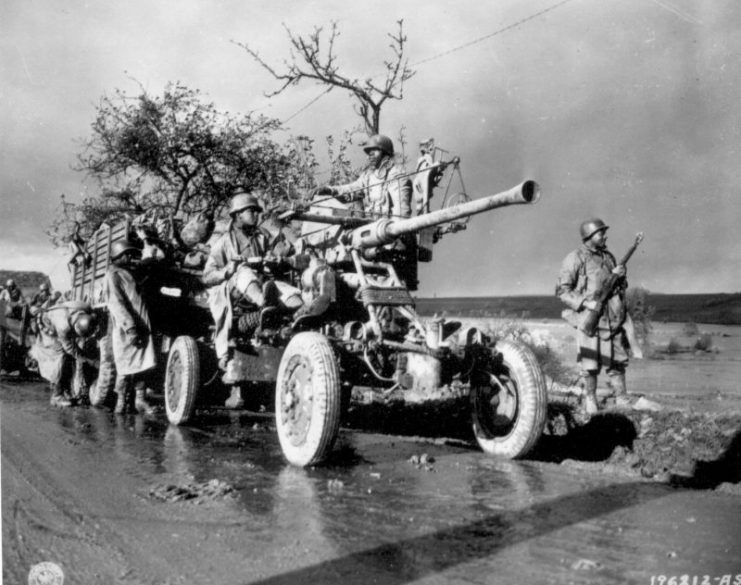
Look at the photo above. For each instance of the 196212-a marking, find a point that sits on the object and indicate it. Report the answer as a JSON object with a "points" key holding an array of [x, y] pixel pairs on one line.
{"points": [[726, 579]]}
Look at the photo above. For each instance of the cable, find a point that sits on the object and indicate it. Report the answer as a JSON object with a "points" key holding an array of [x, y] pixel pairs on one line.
{"points": [[308, 105], [490, 35], [678, 12]]}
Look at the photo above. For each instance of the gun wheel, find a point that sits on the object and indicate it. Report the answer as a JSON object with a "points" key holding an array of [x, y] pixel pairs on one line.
{"points": [[182, 378], [509, 401], [307, 399]]}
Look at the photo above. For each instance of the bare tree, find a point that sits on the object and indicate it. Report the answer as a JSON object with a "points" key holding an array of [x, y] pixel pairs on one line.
{"points": [[312, 59]]}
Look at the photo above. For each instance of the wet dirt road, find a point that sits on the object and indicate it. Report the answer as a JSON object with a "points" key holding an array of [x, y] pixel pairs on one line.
{"points": [[130, 500]]}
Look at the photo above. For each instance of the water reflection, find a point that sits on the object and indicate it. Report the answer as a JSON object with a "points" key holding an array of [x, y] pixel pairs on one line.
{"points": [[379, 519]]}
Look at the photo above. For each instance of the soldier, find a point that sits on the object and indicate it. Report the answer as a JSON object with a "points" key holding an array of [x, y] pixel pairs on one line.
{"points": [[384, 190], [382, 187], [228, 277], [583, 273], [41, 299], [56, 349], [13, 298], [133, 346]]}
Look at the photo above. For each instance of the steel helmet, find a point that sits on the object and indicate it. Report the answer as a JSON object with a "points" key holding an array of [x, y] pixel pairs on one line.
{"points": [[243, 201], [591, 227], [10, 283], [44, 287], [120, 247], [85, 324], [381, 142]]}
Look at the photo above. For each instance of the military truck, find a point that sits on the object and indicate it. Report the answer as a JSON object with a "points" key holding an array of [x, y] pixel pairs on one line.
{"points": [[358, 327]]}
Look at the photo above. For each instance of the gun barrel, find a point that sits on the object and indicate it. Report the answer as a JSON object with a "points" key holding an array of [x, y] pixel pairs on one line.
{"points": [[386, 230]]}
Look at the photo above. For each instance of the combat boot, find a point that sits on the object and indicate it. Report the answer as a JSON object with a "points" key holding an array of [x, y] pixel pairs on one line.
{"points": [[617, 383], [235, 400], [125, 395], [270, 294], [141, 403], [58, 398], [590, 395]]}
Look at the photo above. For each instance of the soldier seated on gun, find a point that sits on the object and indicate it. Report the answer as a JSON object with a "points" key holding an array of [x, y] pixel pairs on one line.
{"points": [[382, 186], [231, 279], [385, 190]]}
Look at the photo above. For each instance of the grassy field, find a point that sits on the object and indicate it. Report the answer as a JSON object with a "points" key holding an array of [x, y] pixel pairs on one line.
{"points": [[720, 308]]}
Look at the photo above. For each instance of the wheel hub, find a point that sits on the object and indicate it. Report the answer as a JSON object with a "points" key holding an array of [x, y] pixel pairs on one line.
{"points": [[297, 400], [175, 369]]}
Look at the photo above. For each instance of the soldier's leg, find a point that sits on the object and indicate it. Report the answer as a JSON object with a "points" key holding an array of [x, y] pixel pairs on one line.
{"points": [[80, 389], [616, 370], [588, 357], [589, 381], [246, 283], [66, 379], [125, 395], [141, 403], [219, 303], [58, 397], [289, 296]]}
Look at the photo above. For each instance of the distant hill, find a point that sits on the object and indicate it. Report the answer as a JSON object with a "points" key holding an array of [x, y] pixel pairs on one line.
{"points": [[28, 281], [718, 308]]}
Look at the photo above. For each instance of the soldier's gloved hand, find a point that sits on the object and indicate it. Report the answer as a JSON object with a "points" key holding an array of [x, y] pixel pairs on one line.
{"points": [[619, 270], [231, 268], [350, 197], [590, 304]]}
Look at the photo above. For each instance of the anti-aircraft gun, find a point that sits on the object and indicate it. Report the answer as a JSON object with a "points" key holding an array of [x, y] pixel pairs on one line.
{"points": [[367, 333]]}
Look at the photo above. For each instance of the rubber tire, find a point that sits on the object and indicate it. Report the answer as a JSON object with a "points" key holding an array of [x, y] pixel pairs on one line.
{"points": [[101, 390], [313, 353], [520, 367], [182, 379]]}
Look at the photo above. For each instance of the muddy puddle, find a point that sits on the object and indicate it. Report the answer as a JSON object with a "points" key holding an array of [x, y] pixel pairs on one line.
{"points": [[387, 508]]}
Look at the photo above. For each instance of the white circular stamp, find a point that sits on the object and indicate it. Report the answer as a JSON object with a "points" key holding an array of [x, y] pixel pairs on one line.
{"points": [[46, 573]]}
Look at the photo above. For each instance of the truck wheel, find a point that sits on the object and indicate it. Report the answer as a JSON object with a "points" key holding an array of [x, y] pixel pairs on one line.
{"points": [[101, 390], [509, 401], [182, 378], [307, 399]]}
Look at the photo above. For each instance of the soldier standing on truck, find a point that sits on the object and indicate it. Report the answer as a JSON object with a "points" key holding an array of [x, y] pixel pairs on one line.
{"points": [[582, 275], [227, 275], [131, 333], [57, 349]]}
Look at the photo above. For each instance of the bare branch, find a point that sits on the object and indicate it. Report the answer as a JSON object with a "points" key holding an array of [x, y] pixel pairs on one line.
{"points": [[313, 59]]}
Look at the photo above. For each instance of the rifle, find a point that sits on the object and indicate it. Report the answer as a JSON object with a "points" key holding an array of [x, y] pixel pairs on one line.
{"points": [[589, 324]]}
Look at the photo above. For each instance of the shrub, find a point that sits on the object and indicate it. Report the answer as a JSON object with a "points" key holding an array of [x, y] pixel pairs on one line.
{"points": [[674, 346], [703, 343], [548, 359]]}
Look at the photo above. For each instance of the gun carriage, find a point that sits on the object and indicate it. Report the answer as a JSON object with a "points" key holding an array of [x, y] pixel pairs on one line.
{"points": [[358, 327]]}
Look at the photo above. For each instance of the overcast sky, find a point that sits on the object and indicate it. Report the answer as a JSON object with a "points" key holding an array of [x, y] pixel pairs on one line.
{"points": [[623, 109]]}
